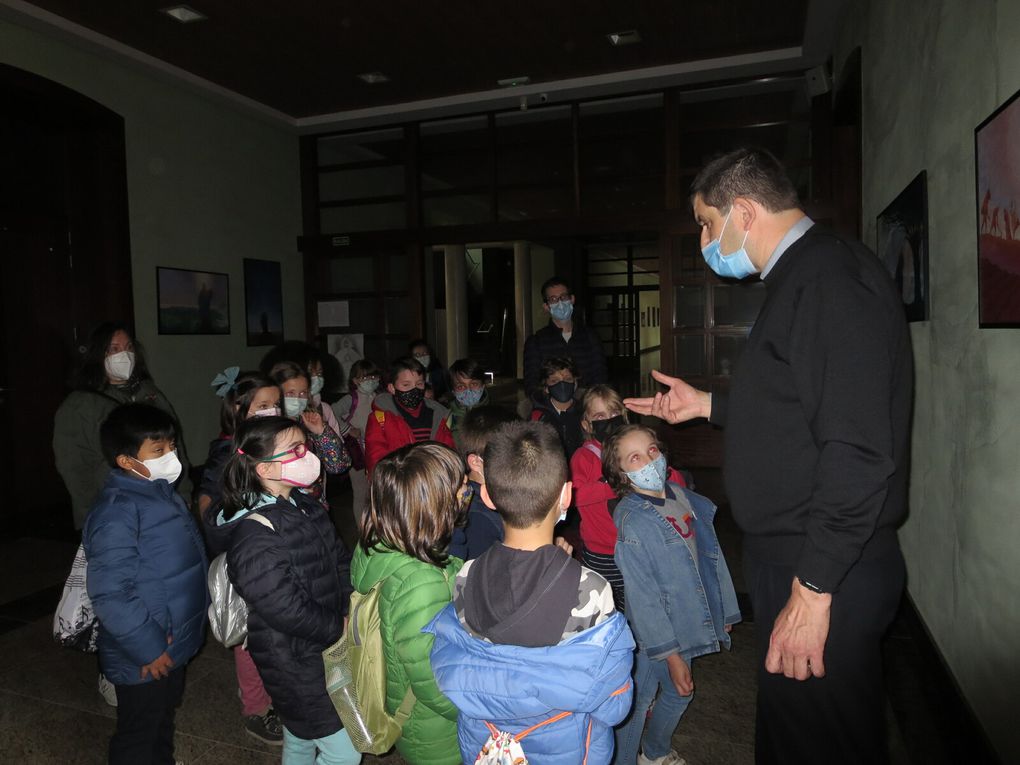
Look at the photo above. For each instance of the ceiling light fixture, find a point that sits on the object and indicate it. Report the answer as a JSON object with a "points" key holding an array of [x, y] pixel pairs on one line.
{"points": [[629, 37], [373, 78], [183, 13], [513, 82]]}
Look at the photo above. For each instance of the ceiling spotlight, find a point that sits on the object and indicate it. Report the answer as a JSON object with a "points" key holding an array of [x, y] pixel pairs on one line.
{"points": [[513, 82], [629, 37], [183, 13], [373, 78]]}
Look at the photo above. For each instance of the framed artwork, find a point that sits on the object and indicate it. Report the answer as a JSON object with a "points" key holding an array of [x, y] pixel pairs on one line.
{"points": [[903, 246], [192, 302], [997, 170], [347, 349], [263, 302]]}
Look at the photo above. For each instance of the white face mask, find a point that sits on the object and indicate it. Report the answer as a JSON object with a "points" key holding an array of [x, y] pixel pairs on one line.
{"points": [[271, 412], [167, 468], [315, 388], [424, 360], [563, 514], [119, 366], [368, 387]]}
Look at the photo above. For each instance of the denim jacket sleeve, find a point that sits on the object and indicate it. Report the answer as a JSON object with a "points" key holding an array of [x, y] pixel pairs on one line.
{"points": [[639, 548]]}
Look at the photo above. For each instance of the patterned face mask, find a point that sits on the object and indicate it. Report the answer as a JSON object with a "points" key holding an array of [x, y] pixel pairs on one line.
{"points": [[652, 477]]}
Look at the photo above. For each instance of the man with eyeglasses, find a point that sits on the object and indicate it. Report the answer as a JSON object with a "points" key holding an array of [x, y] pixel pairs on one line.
{"points": [[563, 336]]}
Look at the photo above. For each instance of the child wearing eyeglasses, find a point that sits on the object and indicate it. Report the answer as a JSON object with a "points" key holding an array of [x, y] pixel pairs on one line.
{"points": [[287, 563]]}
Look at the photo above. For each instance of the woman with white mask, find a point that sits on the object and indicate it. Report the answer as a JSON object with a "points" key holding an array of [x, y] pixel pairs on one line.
{"points": [[112, 372]]}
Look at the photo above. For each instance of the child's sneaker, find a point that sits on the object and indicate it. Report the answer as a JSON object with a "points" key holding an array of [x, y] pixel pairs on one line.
{"points": [[266, 728], [107, 690], [672, 758]]}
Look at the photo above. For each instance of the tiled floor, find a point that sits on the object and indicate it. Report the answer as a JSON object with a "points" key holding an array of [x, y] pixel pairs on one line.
{"points": [[50, 711]]}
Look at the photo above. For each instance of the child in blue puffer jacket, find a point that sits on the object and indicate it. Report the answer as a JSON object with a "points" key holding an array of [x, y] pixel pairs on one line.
{"points": [[532, 645], [146, 579], [680, 598]]}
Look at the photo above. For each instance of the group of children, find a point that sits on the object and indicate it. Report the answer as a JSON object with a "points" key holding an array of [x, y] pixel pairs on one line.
{"points": [[491, 627]]}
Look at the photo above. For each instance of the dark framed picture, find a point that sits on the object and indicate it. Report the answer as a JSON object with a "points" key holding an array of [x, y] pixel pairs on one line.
{"points": [[997, 168], [263, 302], [192, 302], [903, 246]]}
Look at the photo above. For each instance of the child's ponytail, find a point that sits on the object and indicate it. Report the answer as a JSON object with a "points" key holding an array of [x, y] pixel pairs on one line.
{"points": [[255, 440]]}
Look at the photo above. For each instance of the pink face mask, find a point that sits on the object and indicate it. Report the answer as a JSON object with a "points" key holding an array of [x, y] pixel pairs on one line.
{"points": [[302, 469]]}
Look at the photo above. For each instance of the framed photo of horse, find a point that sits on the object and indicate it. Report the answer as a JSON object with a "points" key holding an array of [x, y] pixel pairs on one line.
{"points": [[997, 169]]}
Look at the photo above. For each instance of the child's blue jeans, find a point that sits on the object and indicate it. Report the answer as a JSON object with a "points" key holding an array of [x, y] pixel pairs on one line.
{"points": [[649, 677], [335, 749]]}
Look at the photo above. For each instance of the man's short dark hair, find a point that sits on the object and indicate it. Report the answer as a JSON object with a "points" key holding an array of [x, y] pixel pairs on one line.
{"points": [[747, 172], [470, 368], [126, 428], [478, 424], [554, 281], [558, 364], [524, 472]]}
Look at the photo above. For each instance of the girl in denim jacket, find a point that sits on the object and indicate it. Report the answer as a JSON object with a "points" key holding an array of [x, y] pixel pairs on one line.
{"points": [[680, 598]]}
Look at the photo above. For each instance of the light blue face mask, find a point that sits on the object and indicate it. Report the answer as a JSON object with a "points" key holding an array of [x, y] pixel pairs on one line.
{"points": [[562, 310], [736, 265], [652, 477], [468, 398], [294, 406]]}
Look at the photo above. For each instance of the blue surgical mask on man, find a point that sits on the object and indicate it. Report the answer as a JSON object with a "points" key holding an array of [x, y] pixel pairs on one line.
{"points": [[562, 310], [652, 477], [736, 265]]}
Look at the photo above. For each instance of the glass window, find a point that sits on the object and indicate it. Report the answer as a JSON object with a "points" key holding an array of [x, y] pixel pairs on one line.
{"points": [[727, 351], [453, 210], [737, 305], [397, 315], [690, 355], [688, 307], [362, 182], [371, 146], [396, 272], [351, 274], [363, 217], [535, 203]]}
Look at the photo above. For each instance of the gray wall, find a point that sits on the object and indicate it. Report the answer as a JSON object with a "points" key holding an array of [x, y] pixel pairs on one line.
{"points": [[933, 70], [208, 186]]}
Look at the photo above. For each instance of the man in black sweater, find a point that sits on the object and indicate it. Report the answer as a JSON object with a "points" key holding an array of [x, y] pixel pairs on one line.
{"points": [[563, 336], [817, 442]]}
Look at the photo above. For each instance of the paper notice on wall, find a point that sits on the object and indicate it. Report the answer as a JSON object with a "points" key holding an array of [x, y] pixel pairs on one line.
{"points": [[334, 313]]}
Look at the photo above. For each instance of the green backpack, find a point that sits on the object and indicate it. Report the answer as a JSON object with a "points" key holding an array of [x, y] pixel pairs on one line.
{"points": [[356, 678]]}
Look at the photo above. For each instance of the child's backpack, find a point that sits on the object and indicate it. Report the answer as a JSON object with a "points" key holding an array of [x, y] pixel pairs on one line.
{"points": [[356, 678], [74, 622], [228, 613], [502, 748]]}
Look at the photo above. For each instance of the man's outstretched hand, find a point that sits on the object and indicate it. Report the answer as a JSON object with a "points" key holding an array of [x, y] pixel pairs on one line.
{"points": [[680, 403]]}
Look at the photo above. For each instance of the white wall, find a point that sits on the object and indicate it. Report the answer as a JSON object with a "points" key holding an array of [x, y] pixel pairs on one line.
{"points": [[933, 71], [208, 186]]}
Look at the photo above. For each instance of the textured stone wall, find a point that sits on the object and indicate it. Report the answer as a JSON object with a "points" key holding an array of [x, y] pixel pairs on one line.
{"points": [[932, 71]]}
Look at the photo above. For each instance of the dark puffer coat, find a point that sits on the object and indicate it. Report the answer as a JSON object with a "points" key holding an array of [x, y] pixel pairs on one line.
{"points": [[296, 581]]}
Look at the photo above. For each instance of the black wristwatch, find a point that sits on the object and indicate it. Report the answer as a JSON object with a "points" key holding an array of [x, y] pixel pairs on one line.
{"points": [[811, 586]]}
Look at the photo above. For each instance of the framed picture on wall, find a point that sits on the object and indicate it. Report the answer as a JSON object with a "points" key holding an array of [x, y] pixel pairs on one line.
{"points": [[997, 169], [347, 349], [903, 245], [192, 302], [263, 302]]}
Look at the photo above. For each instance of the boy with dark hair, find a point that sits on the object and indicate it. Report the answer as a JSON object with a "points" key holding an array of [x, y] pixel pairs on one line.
{"points": [[556, 404], [482, 526], [467, 379], [541, 626], [403, 415], [146, 580]]}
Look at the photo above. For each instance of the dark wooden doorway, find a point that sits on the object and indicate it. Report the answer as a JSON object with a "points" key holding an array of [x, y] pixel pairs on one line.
{"points": [[66, 266]]}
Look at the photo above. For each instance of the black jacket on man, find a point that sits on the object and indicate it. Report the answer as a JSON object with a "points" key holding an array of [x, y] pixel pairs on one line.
{"points": [[584, 347], [296, 581], [818, 414]]}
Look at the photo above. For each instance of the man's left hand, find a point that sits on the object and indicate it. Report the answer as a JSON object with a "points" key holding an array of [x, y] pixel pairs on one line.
{"points": [[797, 644]]}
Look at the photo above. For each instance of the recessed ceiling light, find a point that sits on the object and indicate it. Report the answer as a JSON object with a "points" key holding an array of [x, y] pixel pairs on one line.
{"points": [[629, 37], [373, 78], [183, 13], [513, 82]]}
